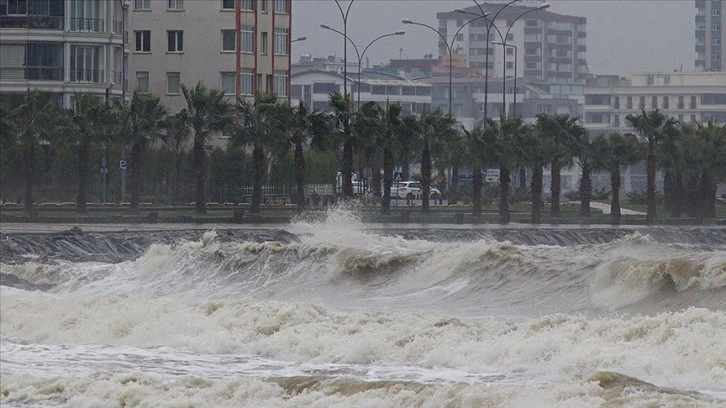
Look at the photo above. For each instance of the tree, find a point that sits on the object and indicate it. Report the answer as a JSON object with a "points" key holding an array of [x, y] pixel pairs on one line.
{"points": [[177, 139], [207, 112], [90, 122], [342, 117], [305, 128], [615, 151], [32, 119], [537, 151], [586, 158], [260, 125], [140, 123], [435, 132], [703, 152], [561, 129], [391, 127], [507, 153], [652, 127]]}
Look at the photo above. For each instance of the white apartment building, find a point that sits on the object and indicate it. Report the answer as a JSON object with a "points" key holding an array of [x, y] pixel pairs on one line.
{"points": [[710, 44], [687, 96], [63, 46], [239, 46]]}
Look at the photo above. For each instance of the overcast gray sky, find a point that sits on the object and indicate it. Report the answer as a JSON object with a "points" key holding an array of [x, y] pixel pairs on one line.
{"points": [[624, 36]]}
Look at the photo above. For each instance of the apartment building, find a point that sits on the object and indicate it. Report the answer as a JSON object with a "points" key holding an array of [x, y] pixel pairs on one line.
{"points": [[710, 44], [239, 46], [63, 46], [548, 46]]}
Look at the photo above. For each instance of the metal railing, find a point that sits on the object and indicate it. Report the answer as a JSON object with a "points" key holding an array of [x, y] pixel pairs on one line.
{"points": [[86, 24], [87, 75], [39, 22], [44, 73]]}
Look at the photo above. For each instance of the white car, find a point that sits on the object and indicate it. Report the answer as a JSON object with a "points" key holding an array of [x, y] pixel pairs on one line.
{"points": [[411, 190]]}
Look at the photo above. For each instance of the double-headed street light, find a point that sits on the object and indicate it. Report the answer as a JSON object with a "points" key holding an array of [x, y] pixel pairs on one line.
{"points": [[505, 45], [449, 47], [360, 55], [344, 15]]}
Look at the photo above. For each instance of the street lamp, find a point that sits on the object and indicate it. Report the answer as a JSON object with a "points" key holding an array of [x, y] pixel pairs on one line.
{"points": [[449, 47], [299, 39], [504, 45], [344, 15], [360, 54]]}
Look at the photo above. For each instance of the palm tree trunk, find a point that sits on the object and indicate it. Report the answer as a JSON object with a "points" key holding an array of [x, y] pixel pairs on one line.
{"points": [[668, 189], [710, 189], [505, 183], [83, 167], [693, 200], [555, 186], [136, 179], [376, 176], [200, 170], [387, 181], [615, 212], [453, 190], [347, 168], [29, 162], [300, 174], [258, 172], [406, 169], [650, 217], [425, 179], [476, 188], [522, 177], [537, 181], [585, 192], [677, 196]]}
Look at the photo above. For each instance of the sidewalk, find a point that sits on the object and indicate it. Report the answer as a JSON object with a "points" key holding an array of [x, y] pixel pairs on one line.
{"points": [[606, 209]]}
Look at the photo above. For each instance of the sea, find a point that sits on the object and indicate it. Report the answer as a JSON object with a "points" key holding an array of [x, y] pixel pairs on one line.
{"points": [[340, 313]]}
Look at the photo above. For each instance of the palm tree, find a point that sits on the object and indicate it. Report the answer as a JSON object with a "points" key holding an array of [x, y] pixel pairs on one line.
{"points": [[435, 132], [561, 129], [537, 151], [586, 158], [31, 120], [473, 145], [177, 139], [140, 123], [615, 151], [703, 152], [669, 160], [342, 118], [652, 127], [366, 133], [305, 127], [507, 155], [260, 125], [391, 127], [207, 112], [90, 122]]}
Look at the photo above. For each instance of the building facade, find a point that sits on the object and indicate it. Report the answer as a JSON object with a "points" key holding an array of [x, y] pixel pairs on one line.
{"points": [[544, 45], [710, 44], [64, 47], [239, 46]]}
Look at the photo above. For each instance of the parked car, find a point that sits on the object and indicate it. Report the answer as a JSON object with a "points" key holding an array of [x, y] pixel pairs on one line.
{"points": [[411, 190]]}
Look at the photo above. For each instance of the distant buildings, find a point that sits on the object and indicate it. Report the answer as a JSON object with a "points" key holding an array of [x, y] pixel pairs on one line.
{"points": [[710, 42]]}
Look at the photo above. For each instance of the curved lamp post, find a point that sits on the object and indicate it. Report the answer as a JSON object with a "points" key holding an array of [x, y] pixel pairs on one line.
{"points": [[360, 54], [299, 39], [449, 47], [344, 15], [504, 45]]}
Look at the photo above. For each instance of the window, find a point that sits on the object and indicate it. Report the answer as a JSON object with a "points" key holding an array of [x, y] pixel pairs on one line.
{"points": [[281, 6], [248, 38], [280, 41], [510, 37], [681, 103], [629, 103], [172, 82], [510, 51], [716, 27], [175, 39], [693, 102], [654, 102], [716, 41], [641, 103], [264, 42], [325, 88], [227, 82], [229, 40], [248, 5], [227, 4], [666, 102], [716, 12], [616, 102], [247, 79], [142, 4], [175, 4], [143, 41], [263, 6], [459, 37], [142, 81], [510, 65], [85, 64], [280, 86], [716, 57]]}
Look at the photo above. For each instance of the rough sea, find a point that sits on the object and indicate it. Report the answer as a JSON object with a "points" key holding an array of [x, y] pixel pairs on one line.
{"points": [[344, 314]]}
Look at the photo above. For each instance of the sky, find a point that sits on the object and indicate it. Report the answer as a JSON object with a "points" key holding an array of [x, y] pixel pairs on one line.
{"points": [[623, 36]]}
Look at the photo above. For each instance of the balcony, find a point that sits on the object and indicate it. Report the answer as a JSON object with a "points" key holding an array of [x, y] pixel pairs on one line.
{"points": [[87, 75], [87, 24], [44, 73], [34, 22]]}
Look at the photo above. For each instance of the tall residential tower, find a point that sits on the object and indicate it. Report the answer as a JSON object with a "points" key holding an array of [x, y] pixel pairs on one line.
{"points": [[710, 44]]}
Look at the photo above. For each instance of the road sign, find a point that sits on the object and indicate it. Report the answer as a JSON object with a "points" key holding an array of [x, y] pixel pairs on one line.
{"points": [[397, 176], [122, 164], [492, 175]]}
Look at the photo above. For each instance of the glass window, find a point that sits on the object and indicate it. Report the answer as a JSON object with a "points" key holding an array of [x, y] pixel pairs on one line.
{"points": [[228, 40], [172, 83], [227, 4], [228, 82], [281, 6], [248, 5], [280, 86], [248, 38], [175, 4], [142, 81], [247, 79], [143, 41], [281, 41], [175, 39], [264, 41], [142, 4], [263, 6]]}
